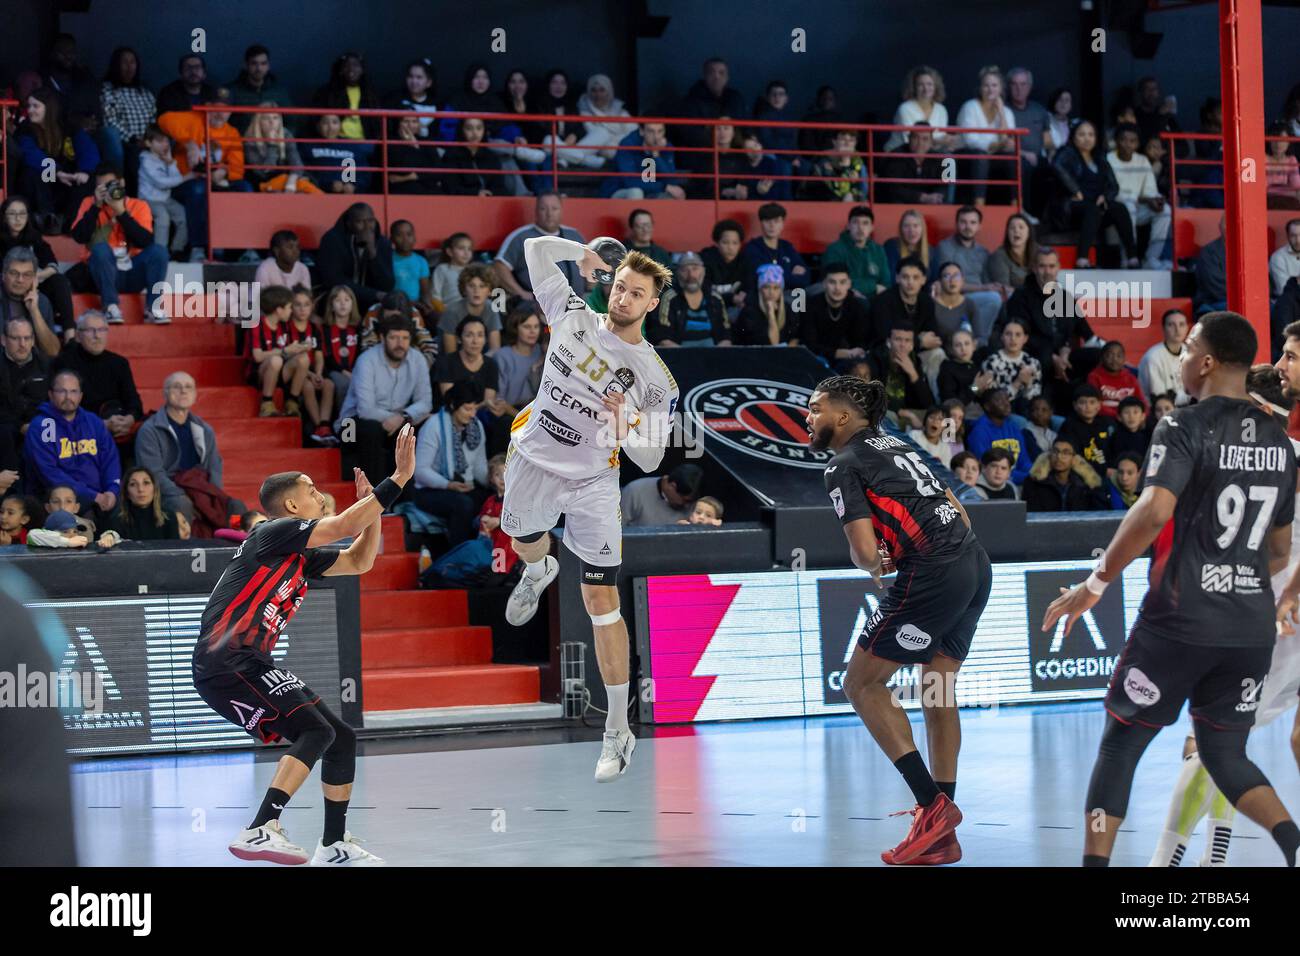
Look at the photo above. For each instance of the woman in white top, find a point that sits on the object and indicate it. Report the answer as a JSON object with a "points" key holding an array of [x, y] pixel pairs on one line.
{"points": [[988, 111], [922, 100], [1158, 371], [599, 100], [931, 437]]}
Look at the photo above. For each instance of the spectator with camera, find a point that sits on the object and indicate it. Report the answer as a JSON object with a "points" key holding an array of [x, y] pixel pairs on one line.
{"points": [[121, 254], [355, 253], [451, 472], [108, 385], [66, 445]]}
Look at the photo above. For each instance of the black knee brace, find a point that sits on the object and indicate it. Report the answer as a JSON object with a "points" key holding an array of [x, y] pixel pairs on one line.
{"points": [[1223, 754], [1121, 747], [311, 742], [340, 764]]}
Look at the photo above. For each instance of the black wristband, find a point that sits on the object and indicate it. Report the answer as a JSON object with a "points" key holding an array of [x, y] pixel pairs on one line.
{"points": [[387, 492]]}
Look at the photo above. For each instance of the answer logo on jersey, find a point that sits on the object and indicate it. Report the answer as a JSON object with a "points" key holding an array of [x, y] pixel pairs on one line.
{"points": [[837, 499], [1216, 578], [759, 417], [913, 638], [558, 430], [1140, 688]]}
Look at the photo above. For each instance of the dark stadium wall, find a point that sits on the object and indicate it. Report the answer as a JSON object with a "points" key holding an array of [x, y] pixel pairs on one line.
{"points": [[576, 35]]}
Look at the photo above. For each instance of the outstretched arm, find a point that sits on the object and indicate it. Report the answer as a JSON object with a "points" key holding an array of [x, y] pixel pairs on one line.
{"points": [[359, 556], [368, 509]]}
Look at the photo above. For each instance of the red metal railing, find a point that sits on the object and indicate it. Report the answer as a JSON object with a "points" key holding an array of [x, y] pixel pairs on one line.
{"points": [[1177, 186], [556, 148], [6, 106]]}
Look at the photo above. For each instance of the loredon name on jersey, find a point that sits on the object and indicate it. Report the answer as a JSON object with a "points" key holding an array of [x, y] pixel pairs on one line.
{"points": [[562, 430]]}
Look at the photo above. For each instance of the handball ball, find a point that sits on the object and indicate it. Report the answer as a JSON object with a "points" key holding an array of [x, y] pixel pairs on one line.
{"points": [[611, 251]]}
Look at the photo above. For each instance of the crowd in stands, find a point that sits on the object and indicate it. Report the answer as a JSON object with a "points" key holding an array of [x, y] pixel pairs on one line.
{"points": [[376, 328]]}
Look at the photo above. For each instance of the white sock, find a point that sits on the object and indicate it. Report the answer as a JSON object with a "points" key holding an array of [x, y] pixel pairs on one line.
{"points": [[536, 570], [1218, 830], [616, 719], [1187, 804]]}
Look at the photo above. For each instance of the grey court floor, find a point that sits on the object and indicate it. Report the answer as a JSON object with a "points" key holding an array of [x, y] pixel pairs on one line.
{"points": [[766, 793]]}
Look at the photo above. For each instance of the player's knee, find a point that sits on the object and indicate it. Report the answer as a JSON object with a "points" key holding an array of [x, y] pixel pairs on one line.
{"points": [[312, 743], [600, 601], [1223, 753]]}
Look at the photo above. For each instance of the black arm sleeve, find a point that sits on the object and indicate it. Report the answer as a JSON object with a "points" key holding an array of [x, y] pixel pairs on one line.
{"points": [[136, 234]]}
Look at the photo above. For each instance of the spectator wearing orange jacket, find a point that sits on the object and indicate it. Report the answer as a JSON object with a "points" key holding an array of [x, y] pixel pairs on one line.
{"points": [[121, 255], [206, 144]]}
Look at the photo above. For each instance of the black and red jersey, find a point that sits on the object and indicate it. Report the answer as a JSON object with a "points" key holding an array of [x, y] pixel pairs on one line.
{"points": [[884, 478], [340, 345], [310, 335], [1233, 472], [258, 594], [268, 338]]}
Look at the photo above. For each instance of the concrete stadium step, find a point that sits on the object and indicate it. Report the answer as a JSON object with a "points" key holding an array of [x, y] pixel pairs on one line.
{"points": [[393, 537], [132, 306], [344, 494], [382, 610], [256, 434], [415, 687], [149, 341], [226, 402], [208, 370], [392, 572], [321, 463], [424, 647]]}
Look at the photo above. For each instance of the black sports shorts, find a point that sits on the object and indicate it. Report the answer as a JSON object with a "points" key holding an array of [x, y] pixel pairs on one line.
{"points": [[261, 699]]}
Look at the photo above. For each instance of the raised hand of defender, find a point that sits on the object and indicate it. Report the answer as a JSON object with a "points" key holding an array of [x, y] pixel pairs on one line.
{"points": [[618, 414], [364, 487], [405, 454], [1071, 605]]}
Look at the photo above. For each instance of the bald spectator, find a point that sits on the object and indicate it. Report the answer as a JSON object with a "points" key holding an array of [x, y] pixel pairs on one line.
{"points": [[21, 299], [662, 500], [66, 445], [106, 376], [27, 369], [512, 271], [174, 441]]}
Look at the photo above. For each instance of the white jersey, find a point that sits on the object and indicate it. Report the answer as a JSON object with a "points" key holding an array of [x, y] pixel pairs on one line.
{"points": [[1283, 682], [563, 429]]}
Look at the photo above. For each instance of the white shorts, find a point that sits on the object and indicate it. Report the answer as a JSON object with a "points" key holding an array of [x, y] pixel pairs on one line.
{"points": [[593, 519], [1282, 685]]}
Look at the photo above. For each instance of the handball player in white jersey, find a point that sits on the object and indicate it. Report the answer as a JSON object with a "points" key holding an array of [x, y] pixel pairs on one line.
{"points": [[1274, 389], [603, 388]]}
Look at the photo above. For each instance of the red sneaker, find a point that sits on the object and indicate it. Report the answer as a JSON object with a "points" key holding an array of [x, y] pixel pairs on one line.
{"points": [[930, 825], [947, 850]]}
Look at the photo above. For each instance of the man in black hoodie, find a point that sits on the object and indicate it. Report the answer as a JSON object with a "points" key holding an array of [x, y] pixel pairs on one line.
{"points": [[709, 98], [355, 253], [836, 323]]}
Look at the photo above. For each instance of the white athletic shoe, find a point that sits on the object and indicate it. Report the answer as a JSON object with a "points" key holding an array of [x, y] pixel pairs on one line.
{"points": [[345, 852], [270, 843], [523, 599], [615, 755]]}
